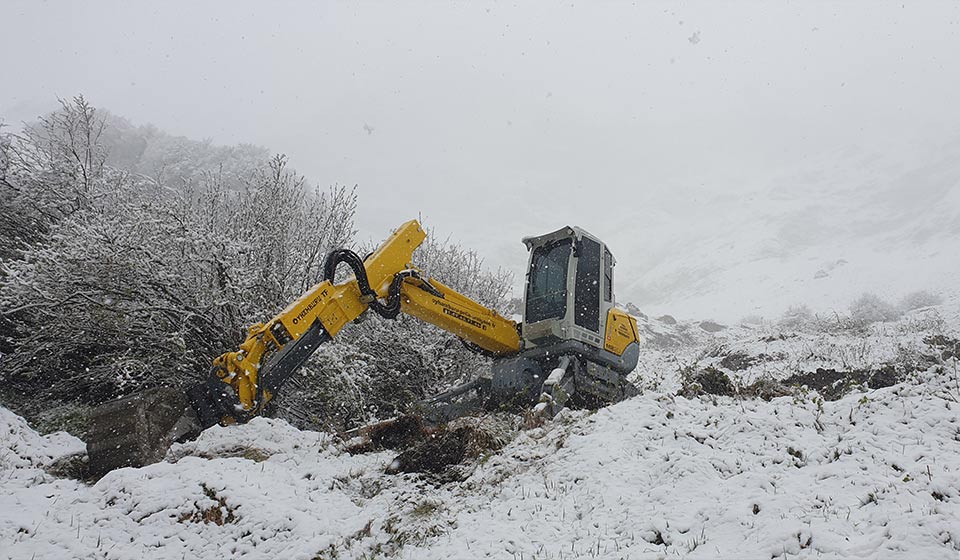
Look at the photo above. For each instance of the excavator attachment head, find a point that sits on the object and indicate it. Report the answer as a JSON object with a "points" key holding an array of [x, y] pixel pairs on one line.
{"points": [[137, 430]]}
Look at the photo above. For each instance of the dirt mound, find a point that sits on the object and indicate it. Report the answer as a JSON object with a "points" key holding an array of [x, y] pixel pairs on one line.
{"points": [[433, 455], [739, 361], [833, 384], [709, 380], [460, 440], [397, 433]]}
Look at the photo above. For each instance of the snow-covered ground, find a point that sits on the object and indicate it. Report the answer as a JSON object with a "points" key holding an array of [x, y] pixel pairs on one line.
{"points": [[874, 474]]}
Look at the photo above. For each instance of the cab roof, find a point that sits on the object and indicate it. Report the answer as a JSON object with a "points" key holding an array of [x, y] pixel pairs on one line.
{"points": [[566, 232]]}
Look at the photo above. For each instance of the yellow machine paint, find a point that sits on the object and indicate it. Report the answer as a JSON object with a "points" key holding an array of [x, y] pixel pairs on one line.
{"points": [[335, 305], [463, 317], [621, 331]]}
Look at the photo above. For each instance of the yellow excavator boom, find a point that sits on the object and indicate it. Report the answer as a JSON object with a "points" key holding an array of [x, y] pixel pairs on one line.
{"points": [[326, 308]]}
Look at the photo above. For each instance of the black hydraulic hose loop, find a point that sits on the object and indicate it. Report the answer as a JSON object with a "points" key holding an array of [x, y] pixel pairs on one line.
{"points": [[389, 310], [392, 308], [334, 258]]}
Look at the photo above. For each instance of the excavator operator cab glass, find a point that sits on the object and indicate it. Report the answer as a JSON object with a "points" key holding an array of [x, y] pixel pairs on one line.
{"points": [[587, 290], [547, 282], [607, 276]]}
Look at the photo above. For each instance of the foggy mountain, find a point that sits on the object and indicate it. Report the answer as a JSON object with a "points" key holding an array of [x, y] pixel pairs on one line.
{"points": [[820, 234]]}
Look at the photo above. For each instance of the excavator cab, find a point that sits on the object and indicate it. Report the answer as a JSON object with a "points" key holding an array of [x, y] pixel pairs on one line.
{"points": [[570, 323], [569, 303], [569, 288]]}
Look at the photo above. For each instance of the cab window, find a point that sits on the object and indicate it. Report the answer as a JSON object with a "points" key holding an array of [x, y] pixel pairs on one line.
{"points": [[607, 275], [547, 283]]}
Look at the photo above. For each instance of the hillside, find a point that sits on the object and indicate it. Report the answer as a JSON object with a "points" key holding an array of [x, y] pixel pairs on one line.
{"points": [[820, 232], [862, 462]]}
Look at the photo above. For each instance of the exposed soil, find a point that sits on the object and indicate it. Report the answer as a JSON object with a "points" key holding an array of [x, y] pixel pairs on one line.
{"points": [[884, 377], [830, 383], [406, 431], [739, 361], [398, 433], [434, 454], [833, 384], [774, 338], [708, 380], [427, 448], [456, 443], [946, 346]]}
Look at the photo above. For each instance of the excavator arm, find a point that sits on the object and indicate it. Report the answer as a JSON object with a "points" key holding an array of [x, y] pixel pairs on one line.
{"points": [[137, 430]]}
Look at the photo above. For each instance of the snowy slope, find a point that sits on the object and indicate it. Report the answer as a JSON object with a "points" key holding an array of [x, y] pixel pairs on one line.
{"points": [[874, 474], [884, 220], [775, 350], [657, 477]]}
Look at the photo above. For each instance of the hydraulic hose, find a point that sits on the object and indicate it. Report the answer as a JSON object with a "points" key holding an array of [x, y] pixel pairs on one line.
{"points": [[389, 310]]}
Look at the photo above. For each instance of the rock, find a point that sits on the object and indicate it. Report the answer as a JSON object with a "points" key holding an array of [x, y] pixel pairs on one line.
{"points": [[667, 319], [711, 327], [766, 389], [737, 361]]}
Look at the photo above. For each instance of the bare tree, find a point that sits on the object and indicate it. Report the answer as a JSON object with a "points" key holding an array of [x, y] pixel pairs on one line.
{"points": [[56, 163], [129, 279], [134, 283]]}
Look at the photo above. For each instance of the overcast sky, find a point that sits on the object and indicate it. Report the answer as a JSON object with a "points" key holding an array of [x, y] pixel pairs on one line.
{"points": [[493, 121]]}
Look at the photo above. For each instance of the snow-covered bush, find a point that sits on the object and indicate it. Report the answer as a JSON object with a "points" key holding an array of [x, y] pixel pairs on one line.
{"points": [[125, 282], [51, 170], [918, 300], [56, 164], [12, 224], [142, 290], [121, 280], [869, 308], [796, 317]]}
